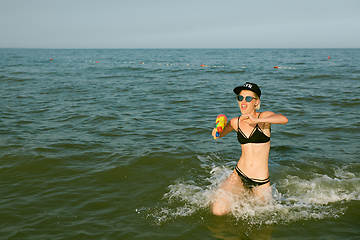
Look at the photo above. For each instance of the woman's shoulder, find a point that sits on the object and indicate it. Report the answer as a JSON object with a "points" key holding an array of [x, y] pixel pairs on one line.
{"points": [[235, 119], [234, 122]]}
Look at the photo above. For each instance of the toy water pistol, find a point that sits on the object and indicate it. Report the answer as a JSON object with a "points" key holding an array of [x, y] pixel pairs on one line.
{"points": [[221, 121]]}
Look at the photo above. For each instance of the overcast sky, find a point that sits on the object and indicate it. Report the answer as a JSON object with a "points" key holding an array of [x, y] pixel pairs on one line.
{"points": [[179, 24]]}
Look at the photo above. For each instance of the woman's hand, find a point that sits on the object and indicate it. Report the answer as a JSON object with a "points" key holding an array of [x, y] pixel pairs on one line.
{"points": [[214, 133], [248, 118]]}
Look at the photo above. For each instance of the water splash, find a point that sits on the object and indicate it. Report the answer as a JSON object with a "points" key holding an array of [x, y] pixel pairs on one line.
{"points": [[292, 198]]}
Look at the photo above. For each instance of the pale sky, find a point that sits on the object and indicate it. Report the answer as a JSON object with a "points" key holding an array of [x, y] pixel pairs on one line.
{"points": [[179, 24]]}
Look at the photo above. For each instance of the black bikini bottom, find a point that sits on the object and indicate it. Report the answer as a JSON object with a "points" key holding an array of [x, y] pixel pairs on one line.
{"points": [[250, 182]]}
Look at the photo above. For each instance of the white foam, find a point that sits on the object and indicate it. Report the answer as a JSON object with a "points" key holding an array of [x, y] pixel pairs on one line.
{"points": [[292, 198]]}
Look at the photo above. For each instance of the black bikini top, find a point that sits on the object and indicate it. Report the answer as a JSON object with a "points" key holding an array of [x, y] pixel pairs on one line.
{"points": [[256, 136]]}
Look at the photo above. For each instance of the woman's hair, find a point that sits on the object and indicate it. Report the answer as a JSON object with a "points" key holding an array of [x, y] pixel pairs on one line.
{"points": [[257, 106]]}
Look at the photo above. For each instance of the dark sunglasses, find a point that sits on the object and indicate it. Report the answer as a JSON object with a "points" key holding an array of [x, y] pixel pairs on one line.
{"points": [[247, 98]]}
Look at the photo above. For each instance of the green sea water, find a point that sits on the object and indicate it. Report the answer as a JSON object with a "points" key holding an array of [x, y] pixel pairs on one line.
{"points": [[116, 144]]}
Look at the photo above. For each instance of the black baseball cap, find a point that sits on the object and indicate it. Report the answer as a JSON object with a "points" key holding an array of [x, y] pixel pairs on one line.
{"points": [[248, 86]]}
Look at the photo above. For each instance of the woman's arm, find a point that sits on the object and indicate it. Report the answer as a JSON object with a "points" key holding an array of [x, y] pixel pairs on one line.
{"points": [[266, 117]]}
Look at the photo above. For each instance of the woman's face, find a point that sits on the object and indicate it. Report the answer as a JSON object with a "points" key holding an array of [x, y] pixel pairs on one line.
{"points": [[247, 107]]}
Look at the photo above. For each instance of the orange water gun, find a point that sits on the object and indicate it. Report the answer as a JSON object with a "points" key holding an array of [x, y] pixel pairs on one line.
{"points": [[221, 121]]}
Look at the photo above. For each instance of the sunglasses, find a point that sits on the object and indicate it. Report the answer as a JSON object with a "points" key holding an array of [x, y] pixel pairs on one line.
{"points": [[247, 98]]}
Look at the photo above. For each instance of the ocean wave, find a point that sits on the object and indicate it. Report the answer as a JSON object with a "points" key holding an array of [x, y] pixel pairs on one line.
{"points": [[231, 71]]}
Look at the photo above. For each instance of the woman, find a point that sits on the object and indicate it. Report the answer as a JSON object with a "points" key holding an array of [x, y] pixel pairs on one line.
{"points": [[253, 132]]}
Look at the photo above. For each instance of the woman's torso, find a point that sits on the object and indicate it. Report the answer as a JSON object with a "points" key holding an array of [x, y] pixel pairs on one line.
{"points": [[255, 146]]}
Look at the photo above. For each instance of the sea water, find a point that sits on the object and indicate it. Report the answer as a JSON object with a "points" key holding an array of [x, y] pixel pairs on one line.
{"points": [[116, 143]]}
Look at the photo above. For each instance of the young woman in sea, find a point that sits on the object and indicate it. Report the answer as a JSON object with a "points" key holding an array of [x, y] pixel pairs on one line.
{"points": [[253, 132]]}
